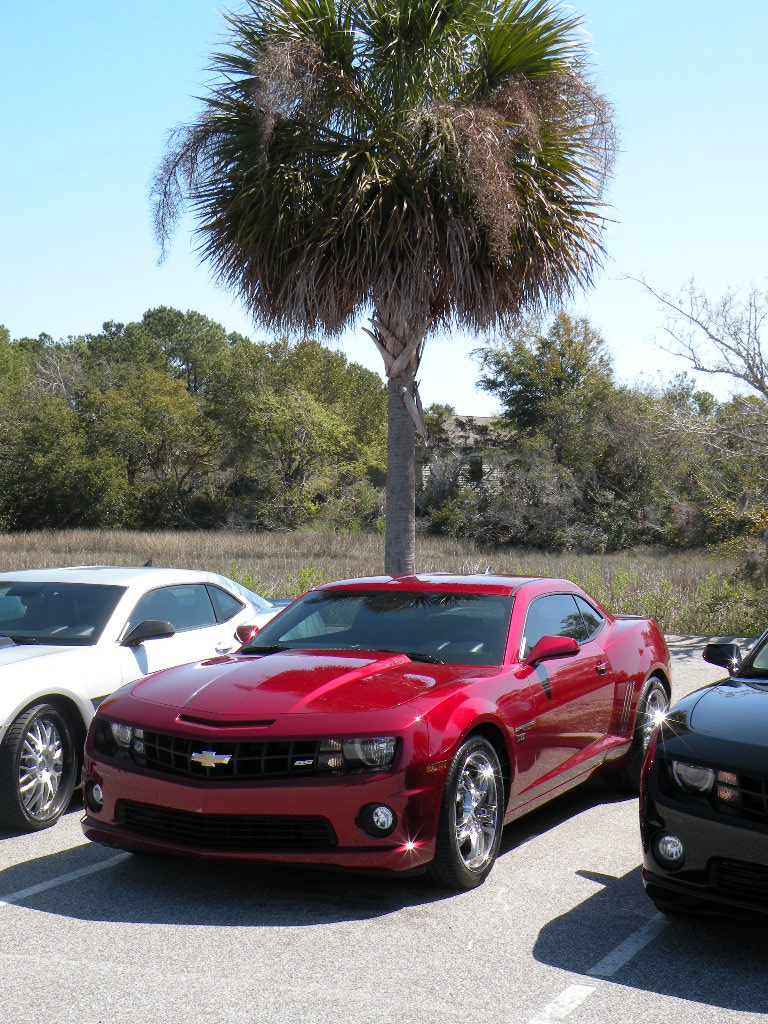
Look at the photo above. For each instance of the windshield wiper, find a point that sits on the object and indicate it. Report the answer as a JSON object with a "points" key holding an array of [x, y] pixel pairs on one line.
{"points": [[266, 649], [430, 659], [20, 638]]}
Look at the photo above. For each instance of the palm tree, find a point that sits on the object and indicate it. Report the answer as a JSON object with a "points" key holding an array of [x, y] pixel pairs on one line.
{"points": [[423, 162]]}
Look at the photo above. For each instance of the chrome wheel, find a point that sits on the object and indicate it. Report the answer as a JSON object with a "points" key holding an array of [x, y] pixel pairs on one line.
{"points": [[477, 811], [38, 769], [656, 704], [41, 767], [471, 817]]}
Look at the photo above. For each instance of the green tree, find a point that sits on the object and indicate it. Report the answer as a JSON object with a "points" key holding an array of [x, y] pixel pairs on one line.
{"points": [[192, 344], [299, 427], [541, 369], [426, 163], [580, 465], [50, 475], [14, 361], [158, 432]]}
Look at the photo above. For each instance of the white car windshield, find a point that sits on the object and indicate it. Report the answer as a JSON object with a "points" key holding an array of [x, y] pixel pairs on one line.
{"points": [[55, 613]]}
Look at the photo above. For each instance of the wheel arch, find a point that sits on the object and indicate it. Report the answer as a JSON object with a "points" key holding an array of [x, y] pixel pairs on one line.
{"points": [[494, 734], [69, 709], [659, 672]]}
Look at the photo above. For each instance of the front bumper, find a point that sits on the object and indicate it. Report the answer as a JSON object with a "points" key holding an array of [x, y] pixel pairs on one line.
{"points": [[412, 794], [726, 857]]}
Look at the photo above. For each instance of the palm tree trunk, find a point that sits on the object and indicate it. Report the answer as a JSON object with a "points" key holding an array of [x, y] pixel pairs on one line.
{"points": [[400, 537]]}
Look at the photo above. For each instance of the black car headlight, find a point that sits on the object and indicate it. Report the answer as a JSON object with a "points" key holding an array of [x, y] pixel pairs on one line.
{"points": [[693, 778], [370, 752]]}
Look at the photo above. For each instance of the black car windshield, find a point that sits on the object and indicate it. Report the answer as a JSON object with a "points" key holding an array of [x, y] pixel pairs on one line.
{"points": [[56, 613], [755, 667], [450, 628]]}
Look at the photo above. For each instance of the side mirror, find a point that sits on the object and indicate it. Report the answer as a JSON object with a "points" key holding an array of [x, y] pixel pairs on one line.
{"points": [[245, 633], [552, 647], [148, 629], [725, 655]]}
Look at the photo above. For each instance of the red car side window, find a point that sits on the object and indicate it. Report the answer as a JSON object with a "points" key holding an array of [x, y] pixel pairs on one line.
{"points": [[552, 615]]}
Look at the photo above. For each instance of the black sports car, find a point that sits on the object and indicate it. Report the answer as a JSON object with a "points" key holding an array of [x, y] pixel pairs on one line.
{"points": [[704, 791]]}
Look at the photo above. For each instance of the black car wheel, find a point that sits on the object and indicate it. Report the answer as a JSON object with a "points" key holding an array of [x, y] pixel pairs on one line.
{"points": [[652, 704], [471, 817], [38, 767]]}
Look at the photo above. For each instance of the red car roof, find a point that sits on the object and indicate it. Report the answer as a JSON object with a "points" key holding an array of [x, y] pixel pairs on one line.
{"points": [[473, 583]]}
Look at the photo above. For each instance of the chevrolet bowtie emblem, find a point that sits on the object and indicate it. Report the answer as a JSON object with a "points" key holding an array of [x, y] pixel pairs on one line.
{"points": [[209, 758]]}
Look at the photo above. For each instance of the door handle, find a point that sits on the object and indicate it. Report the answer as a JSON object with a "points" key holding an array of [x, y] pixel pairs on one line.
{"points": [[602, 668]]}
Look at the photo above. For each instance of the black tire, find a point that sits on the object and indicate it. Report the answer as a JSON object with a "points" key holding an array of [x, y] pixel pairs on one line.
{"points": [[653, 699], [475, 811], [38, 769]]}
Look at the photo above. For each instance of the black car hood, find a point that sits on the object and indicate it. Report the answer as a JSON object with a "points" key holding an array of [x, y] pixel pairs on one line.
{"points": [[732, 709]]}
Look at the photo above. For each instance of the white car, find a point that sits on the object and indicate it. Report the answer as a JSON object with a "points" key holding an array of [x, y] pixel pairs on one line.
{"points": [[70, 637]]}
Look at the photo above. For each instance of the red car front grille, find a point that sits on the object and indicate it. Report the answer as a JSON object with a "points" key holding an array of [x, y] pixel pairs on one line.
{"points": [[262, 759], [740, 880], [252, 833]]}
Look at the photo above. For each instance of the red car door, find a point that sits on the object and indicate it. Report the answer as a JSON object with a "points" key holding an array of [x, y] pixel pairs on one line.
{"points": [[569, 699]]}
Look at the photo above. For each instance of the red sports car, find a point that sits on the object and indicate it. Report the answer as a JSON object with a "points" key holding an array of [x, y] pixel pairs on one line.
{"points": [[387, 723]]}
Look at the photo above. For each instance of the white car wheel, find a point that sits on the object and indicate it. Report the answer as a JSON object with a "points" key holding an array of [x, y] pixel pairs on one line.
{"points": [[37, 769]]}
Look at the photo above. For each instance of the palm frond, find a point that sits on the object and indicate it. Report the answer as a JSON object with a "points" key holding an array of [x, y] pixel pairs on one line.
{"points": [[433, 159]]}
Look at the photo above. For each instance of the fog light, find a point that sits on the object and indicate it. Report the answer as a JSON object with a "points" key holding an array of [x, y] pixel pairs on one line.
{"points": [[378, 820], [383, 818], [669, 851], [94, 796]]}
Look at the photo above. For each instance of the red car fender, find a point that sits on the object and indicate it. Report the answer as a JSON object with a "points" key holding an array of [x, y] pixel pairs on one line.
{"points": [[637, 666], [452, 721]]}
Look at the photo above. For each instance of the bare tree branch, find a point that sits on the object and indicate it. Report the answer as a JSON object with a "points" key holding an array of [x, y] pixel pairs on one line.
{"points": [[731, 329]]}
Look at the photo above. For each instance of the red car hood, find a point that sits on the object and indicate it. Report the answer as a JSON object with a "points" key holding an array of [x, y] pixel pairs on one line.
{"points": [[248, 688]]}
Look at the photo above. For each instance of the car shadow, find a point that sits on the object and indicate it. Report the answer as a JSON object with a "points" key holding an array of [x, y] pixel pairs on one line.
{"points": [[535, 823], [75, 806], [155, 889], [713, 960]]}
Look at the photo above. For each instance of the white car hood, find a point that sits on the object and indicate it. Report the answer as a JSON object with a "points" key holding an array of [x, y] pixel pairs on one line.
{"points": [[33, 652]]}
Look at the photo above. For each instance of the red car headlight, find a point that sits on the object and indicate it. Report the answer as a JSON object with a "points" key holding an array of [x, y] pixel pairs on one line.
{"points": [[368, 752]]}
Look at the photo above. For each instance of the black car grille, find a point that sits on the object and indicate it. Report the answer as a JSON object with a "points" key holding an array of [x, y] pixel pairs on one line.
{"points": [[748, 882], [754, 796], [264, 759], [247, 833]]}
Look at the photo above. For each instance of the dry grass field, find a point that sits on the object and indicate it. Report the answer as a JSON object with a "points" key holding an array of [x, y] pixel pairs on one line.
{"points": [[688, 592]]}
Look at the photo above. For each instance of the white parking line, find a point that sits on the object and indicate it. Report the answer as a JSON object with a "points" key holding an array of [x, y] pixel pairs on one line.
{"points": [[71, 876], [559, 1008], [630, 947], [575, 995]]}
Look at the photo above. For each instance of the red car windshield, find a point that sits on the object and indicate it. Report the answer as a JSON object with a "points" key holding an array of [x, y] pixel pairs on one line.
{"points": [[449, 628]]}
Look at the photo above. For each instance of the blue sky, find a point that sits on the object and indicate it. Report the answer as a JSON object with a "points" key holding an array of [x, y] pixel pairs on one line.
{"points": [[89, 90]]}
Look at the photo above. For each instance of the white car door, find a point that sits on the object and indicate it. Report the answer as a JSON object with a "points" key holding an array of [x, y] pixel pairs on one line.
{"points": [[198, 635]]}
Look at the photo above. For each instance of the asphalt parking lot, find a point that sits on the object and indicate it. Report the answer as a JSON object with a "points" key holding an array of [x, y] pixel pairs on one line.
{"points": [[562, 930]]}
